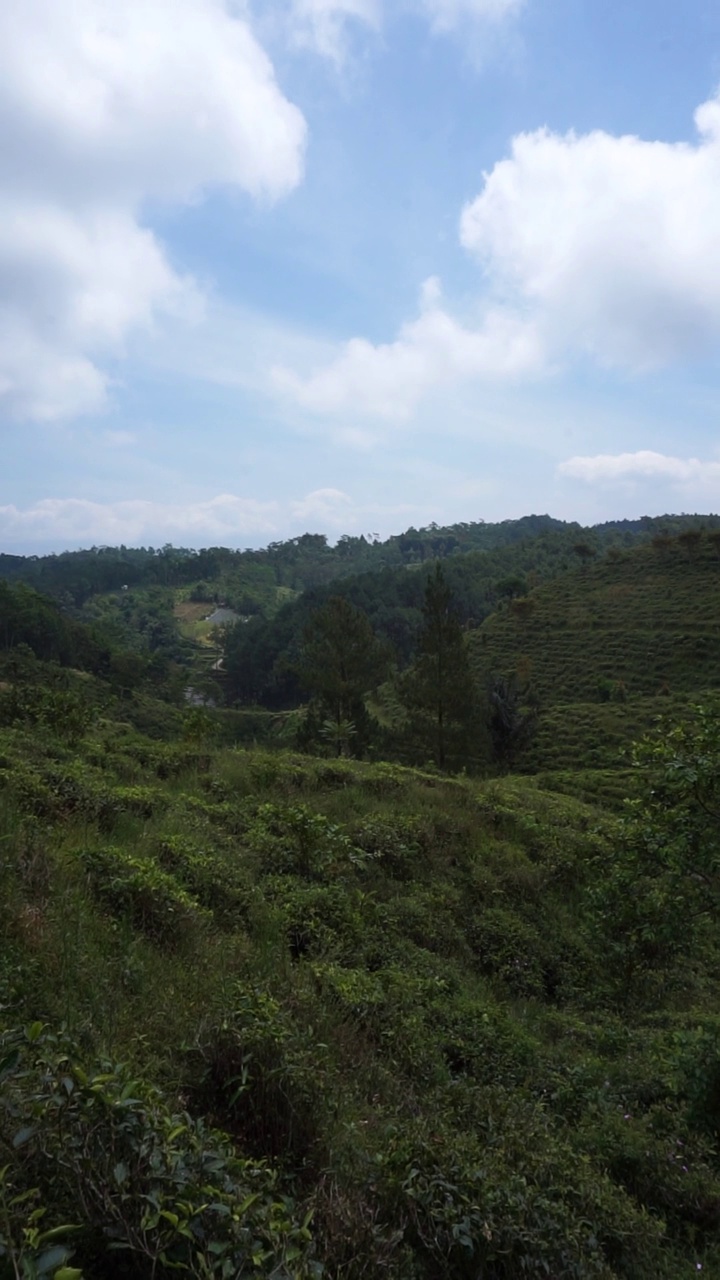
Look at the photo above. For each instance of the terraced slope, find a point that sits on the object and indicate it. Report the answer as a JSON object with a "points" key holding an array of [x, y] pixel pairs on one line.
{"points": [[605, 650]]}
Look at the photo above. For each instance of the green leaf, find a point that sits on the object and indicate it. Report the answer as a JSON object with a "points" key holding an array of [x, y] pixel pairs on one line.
{"points": [[54, 1232], [23, 1196], [67, 1273], [34, 1031], [23, 1135], [51, 1259], [243, 1208], [9, 1063]]}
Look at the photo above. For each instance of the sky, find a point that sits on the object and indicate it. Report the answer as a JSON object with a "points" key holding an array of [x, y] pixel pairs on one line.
{"points": [[348, 266]]}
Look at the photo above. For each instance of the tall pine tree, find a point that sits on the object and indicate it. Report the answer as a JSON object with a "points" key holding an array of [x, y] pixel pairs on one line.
{"points": [[340, 662], [438, 691]]}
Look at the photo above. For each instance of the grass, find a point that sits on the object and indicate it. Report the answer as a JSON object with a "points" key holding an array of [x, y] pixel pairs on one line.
{"points": [[191, 611]]}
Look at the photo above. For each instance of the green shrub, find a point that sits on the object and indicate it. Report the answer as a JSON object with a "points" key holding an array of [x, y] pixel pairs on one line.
{"points": [[264, 1072], [393, 841], [107, 1150], [294, 839], [319, 919], [224, 888], [138, 889], [509, 949]]}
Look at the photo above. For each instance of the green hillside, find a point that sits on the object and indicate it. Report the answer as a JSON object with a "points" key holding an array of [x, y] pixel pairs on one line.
{"points": [[259, 581], [389, 990], [321, 1017], [606, 649]]}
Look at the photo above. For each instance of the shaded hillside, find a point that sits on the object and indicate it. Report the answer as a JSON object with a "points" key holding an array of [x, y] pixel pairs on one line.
{"points": [[604, 650]]}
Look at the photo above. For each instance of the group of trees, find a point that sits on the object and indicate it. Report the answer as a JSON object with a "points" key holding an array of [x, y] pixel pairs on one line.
{"points": [[340, 661], [250, 579], [391, 614], [33, 628], [437, 691], [441, 716], [486, 568], [29, 619]]}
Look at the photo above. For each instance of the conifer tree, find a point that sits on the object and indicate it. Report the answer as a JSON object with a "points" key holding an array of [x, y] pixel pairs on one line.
{"points": [[340, 662], [438, 691]]}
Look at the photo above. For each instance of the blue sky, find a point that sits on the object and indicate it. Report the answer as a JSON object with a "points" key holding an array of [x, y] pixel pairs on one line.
{"points": [[351, 265]]}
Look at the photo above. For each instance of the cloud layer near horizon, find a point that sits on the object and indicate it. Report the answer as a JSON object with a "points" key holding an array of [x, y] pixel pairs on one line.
{"points": [[227, 519], [104, 107], [609, 469]]}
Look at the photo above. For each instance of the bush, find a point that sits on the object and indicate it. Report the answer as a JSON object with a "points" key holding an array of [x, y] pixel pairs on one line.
{"points": [[263, 1072], [105, 1152], [138, 889]]}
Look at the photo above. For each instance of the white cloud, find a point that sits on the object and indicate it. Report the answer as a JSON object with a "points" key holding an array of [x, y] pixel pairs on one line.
{"points": [[591, 246], [609, 469], [74, 520], [224, 520], [103, 107], [389, 379], [323, 25], [612, 243], [326, 506], [326, 25], [448, 14]]}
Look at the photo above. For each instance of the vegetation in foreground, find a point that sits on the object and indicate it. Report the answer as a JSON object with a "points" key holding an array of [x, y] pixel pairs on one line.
{"points": [[267, 1013], [271, 1015]]}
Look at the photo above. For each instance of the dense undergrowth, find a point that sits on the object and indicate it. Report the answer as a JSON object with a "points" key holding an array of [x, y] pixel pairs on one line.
{"points": [[264, 1014], [267, 1015]]}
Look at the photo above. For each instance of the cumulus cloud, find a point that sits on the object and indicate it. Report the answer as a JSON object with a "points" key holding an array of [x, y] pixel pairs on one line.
{"points": [[104, 107], [613, 243], [435, 349], [608, 469], [590, 246]]}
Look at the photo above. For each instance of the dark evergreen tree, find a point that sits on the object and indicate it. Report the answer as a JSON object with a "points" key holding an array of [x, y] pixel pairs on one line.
{"points": [[511, 723], [341, 661], [438, 691]]}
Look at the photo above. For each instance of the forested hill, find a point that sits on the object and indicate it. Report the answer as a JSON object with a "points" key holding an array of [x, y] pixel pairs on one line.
{"points": [[556, 616], [258, 581], [261, 658]]}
